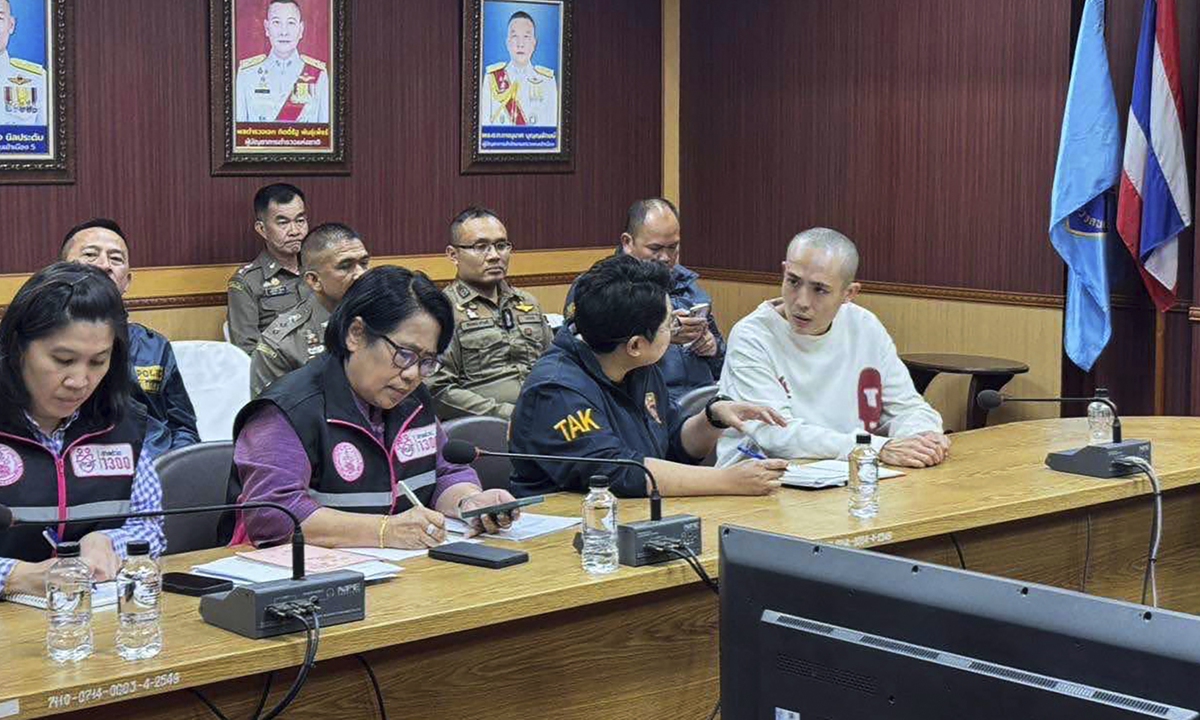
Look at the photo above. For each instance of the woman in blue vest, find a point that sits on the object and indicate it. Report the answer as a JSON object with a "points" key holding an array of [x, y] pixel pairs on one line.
{"points": [[70, 437], [334, 440]]}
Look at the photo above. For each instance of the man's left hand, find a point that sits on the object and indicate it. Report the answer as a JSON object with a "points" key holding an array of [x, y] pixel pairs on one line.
{"points": [[706, 346], [488, 523], [734, 414]]}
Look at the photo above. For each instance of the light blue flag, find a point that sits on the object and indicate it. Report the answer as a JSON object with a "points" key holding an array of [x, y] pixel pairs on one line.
{"points": [[1089, 165]]}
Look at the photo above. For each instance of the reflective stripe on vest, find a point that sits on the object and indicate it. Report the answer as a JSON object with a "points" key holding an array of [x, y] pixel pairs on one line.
{"points": [[49, 513], [371, 499]]}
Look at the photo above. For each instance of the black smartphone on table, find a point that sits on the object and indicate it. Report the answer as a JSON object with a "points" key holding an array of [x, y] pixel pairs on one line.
{"points": [[194, 585]]}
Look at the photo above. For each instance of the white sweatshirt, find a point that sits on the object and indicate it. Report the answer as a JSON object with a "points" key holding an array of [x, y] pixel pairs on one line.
{"points": [[829, 387]]}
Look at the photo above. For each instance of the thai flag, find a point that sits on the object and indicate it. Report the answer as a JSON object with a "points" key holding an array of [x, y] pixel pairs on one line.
{"points": [[1153, 205]]}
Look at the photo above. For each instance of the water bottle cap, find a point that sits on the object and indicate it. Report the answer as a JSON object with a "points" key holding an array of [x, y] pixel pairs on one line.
{"points": [[600, 481], [68, 549], [863, 439], [1101, 392], [137, 547]]}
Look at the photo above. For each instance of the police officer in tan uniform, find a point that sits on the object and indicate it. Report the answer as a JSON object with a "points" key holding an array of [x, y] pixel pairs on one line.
{"points": [[270, 285], [333, 257], [500, 331]]}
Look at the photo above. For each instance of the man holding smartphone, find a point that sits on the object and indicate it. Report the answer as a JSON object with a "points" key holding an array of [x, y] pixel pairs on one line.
{"points": [[697, 350]]}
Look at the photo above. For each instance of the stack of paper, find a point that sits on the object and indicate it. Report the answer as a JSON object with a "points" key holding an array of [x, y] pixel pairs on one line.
{"points": [[825, 473], [527, 527], [104, 595], [276, 564]]}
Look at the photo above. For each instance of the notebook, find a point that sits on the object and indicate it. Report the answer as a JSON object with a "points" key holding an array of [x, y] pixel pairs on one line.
{"points": [[104, 595], [527, 527], [825, 473]]}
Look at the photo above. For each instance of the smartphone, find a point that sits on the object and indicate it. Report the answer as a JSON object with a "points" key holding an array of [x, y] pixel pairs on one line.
{"points": [[699, 310], [479, 555], [193, 585], [502, 507]]}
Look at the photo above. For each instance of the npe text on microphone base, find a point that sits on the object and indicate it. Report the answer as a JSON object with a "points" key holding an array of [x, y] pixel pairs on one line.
{"points": [[1098, 460], [249, 610]]}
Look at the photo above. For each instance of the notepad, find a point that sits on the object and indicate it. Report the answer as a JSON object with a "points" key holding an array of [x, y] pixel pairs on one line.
{"points": [[825, 473], [242, 571], [316, 559], [527, 527], [104, 595]]}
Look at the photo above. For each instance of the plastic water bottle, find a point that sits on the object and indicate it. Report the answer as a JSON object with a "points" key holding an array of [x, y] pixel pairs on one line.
{"points": [[599, 527], [1100, 420], [864, 478], [69, 606], [139, 604]]}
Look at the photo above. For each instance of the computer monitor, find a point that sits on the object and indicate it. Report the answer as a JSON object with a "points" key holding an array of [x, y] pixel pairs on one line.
{"points": [[811, 631]]}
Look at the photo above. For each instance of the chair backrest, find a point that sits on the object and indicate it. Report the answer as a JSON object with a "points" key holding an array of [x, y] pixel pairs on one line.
{"points": [[192, 476], [488, 433], [217, 378], [692, 402]]}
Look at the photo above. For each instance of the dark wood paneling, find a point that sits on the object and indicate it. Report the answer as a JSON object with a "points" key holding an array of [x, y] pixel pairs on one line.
{"points": [[143, 138], [926, 130]]}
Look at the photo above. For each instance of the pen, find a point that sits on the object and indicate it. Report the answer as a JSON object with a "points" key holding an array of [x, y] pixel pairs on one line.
{"points": [[51, 537], [408, 493], [750, 453]]}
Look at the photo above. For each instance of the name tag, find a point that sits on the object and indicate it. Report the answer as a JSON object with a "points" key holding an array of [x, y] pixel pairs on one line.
{"points": [[102, 460], [276, 291], [417, 443]]}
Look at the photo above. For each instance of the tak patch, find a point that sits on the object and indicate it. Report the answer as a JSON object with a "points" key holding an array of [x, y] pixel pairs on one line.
{"points": [[576, 424], [417, 443], [102, 460], [11, 466], [348, 461]]}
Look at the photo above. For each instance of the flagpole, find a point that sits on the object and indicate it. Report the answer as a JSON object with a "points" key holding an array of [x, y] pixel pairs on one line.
{"points": [[1160, 363]]}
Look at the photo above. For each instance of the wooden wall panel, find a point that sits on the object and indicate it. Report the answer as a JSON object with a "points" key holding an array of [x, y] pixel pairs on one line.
{"points": [[923, 325], [926, 130], [143, 149]]}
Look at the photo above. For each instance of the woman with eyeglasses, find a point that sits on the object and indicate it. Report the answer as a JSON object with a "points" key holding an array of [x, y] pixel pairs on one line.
{"points": [[334, 440], [71, 439]]}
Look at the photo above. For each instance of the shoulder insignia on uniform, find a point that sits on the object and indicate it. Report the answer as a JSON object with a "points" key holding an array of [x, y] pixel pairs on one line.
{"points": [[235, 284], [313, 61], [27, 66], [284, 324], [251, 62], [544, 71], [576, 424], [495, 66]]}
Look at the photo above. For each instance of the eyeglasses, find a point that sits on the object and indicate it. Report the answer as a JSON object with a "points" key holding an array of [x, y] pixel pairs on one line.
{"points": [[406, 358], [668, 250], [481, 248]]}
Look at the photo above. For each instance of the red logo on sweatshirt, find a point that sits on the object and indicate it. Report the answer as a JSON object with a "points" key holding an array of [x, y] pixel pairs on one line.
{"points": [[870, 398]]}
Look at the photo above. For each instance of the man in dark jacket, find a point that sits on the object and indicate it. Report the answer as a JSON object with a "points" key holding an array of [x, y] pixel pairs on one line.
{"points": [[697, 349], [159, 386]]}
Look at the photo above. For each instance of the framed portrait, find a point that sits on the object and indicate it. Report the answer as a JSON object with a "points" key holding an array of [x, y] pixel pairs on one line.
{"points": [[279, 87], [517, 86], [36, 138]]}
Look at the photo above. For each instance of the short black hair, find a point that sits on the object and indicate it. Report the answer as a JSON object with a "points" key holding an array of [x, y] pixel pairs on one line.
{"points": [[475, 212], [53, 298], [322, 237], [522, 15], [384, 297], [618, 298], [278, 193], [99, 222], [636, 217]]}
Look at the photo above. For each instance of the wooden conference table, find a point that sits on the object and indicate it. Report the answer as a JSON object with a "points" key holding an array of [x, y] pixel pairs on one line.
{"points": [[544, 640]]}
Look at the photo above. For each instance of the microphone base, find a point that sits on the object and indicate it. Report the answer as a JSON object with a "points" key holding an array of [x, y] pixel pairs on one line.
{"points": [[1097, 460], [637, 542], [339, 597]]}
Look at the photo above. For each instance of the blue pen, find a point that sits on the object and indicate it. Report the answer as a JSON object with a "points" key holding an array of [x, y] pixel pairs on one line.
{"points": [[750, 452], [51, 537]]}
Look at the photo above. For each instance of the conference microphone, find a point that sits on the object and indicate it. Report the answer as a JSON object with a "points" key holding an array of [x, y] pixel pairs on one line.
{"points": [[1092, 460], [636, 541], [253, 610]]}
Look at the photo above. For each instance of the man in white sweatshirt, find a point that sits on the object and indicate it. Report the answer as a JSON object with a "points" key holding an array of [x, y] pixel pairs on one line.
{"points": [[828, 366]]}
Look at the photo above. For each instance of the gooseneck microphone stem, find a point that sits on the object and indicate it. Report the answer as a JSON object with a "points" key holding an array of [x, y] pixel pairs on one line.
{"points": [[991, 399], [297, 532], [462, 453]]}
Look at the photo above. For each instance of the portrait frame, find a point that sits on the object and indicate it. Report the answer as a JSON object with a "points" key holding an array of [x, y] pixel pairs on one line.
{"points": [[228, 155], [57, 164], [478, 159]]}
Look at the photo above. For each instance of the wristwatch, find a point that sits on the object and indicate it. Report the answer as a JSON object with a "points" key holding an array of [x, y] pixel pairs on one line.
{"points": [[708, 411]]}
